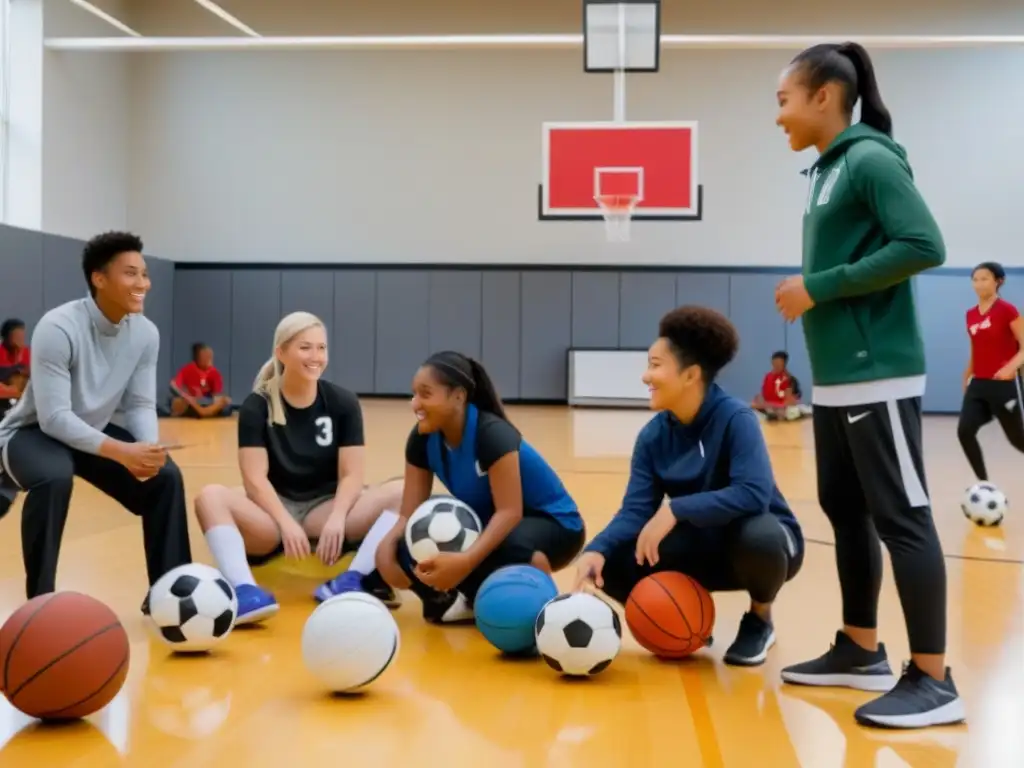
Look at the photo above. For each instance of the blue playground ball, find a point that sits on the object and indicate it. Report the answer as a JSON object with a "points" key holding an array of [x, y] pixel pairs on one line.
{"points": [[508, 604]]}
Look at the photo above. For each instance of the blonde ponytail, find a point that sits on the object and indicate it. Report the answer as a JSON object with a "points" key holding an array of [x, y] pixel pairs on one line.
{"points": [[268, 380]]}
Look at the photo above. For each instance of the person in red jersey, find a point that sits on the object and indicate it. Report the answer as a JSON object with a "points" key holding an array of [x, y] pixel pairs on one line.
{"points": [[780, 393], [14, 363], [198, 389], [992, 385]]}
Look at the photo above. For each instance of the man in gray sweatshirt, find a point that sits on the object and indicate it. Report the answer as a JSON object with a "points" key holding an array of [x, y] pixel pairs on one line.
{"points": [[89, 410]]}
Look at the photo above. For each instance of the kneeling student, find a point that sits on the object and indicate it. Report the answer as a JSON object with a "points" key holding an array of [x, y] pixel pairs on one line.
{"points": [[463, 437], [725, 522]]}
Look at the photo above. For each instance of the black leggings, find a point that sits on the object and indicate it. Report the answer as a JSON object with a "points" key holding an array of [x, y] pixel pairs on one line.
{"points": [[536, 532], [984, 400], [871, 485], [755, 554]]}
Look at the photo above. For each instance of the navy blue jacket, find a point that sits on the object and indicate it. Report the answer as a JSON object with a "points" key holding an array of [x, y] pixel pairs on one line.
{"points": [[713, 471]]}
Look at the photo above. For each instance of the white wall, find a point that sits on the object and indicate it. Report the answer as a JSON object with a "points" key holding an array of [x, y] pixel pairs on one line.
{"points": [[435, 156], [419, 156], [85, 129]]}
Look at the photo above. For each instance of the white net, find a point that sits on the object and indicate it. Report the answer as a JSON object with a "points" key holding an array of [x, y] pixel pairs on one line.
{"points": [[618, 215]]}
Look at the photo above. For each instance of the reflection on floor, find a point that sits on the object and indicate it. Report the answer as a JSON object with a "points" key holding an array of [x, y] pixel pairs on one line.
{"points": [[450, 701]]}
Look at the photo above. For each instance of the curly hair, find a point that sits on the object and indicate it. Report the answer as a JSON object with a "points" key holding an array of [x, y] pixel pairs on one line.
{"points": [[700, 336], [103, 249]]}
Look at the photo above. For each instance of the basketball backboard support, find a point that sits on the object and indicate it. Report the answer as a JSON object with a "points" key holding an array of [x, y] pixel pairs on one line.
{"points": [[654, 161], [621, 35]]}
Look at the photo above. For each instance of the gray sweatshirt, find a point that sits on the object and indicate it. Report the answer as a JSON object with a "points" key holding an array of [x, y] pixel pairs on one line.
{"points": [[86, 373]]}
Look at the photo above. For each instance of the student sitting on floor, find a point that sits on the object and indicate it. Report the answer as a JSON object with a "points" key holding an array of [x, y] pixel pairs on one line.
{"points": [[14, 363], [779, 398], [198, 389]]}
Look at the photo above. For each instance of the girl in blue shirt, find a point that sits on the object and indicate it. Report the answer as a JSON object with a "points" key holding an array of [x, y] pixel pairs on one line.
{"points": [[701, 497], [463, 437]]}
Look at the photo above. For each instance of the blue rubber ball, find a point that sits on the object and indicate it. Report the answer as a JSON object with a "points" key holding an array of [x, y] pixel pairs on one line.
{"points": [[508, 604]]}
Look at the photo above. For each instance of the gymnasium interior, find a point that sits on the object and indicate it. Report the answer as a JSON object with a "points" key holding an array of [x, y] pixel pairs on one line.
{"points": [[391, 168]]}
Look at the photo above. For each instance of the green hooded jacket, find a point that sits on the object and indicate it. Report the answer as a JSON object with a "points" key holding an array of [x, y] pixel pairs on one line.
{"points": [[866, 231]]}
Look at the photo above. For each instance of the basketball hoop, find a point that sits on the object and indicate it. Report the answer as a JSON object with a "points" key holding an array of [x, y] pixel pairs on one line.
{"points": [[618, 214]]}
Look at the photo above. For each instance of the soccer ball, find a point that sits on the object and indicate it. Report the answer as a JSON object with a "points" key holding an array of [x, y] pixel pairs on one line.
{"points": [[192, 608], [578, 634], [984, 504], [441, 524]]}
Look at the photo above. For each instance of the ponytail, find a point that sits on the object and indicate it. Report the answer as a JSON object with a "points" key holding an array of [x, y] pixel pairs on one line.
{"points": [[268, 384], [485, 396], [456, 370], [873, 111], [849, 65]]}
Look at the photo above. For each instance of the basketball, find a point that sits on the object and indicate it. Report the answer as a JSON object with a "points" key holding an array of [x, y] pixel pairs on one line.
{"points": [[64, 655], [670, 614], [349, 641], [508, 604]]}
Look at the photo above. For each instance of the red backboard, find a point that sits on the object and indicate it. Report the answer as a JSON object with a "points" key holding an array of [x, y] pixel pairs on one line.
{"points": [[656, 161]]}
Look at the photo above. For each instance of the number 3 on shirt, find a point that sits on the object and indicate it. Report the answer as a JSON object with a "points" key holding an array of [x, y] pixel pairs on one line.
{"points": [[325, 431]]}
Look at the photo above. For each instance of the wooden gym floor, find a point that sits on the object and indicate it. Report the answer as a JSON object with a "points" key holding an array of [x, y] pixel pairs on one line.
{"points": [[450, 701]]}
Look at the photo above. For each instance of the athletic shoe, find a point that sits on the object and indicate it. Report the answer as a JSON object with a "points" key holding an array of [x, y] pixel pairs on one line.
{"points": [[918, 700], [447, 608], [353, 581], [254, 604], [845, 665], [753, 640]]}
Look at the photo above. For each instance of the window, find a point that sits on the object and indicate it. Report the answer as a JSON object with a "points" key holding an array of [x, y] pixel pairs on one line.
{"points": [[5, 59]]}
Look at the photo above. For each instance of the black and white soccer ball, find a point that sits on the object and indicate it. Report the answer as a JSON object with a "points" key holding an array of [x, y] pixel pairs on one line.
{"points": [[441, 524], [578, 634], [192, 608], [984, 505]]}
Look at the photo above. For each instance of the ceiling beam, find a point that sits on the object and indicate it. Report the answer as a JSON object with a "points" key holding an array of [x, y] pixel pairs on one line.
{"points": [[99, 13], [220, 13], [707, 42]]}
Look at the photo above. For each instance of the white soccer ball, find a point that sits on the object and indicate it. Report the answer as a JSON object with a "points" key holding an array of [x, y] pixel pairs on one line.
{"points": [[984, 504], [441, 524], [349, 641], [578, 634], [192, 608]]}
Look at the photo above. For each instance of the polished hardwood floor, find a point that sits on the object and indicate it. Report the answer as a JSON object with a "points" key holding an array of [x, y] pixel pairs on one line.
{"points": [[449, 700]]}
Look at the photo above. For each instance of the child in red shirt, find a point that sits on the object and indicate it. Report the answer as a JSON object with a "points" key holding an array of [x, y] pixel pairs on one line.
{"points": [[198, 389], [992, 386], [14, 363], [780, 393]]}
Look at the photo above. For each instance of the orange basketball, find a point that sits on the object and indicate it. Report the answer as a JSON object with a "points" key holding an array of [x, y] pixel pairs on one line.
{"points": [[64, 656], [670, 614]]}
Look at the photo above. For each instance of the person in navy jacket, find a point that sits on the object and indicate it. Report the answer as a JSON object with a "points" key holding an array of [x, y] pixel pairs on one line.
{"points": [[463, 437], [701, 497]]}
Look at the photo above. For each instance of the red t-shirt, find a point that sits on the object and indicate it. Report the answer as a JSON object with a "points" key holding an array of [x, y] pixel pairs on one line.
{"points": [[993, 343], [199, 382], [776, 386], [7, 360]]}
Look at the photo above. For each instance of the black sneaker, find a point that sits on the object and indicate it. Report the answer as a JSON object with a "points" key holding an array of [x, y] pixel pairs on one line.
{"points": [[447, 608], [846, 665], [754, 638], [375, 585], [918, 700]]}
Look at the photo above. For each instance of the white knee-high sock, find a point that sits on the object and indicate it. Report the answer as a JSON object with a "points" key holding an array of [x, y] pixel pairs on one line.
{"points": [[366, 555], [228, 548]]}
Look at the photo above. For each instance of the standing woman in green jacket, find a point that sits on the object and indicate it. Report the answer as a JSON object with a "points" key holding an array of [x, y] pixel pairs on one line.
{"points": [[866, 232]]}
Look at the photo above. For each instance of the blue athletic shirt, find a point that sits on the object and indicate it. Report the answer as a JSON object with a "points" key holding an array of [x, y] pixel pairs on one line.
{"points": [[713, 471], [463, 470]]}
